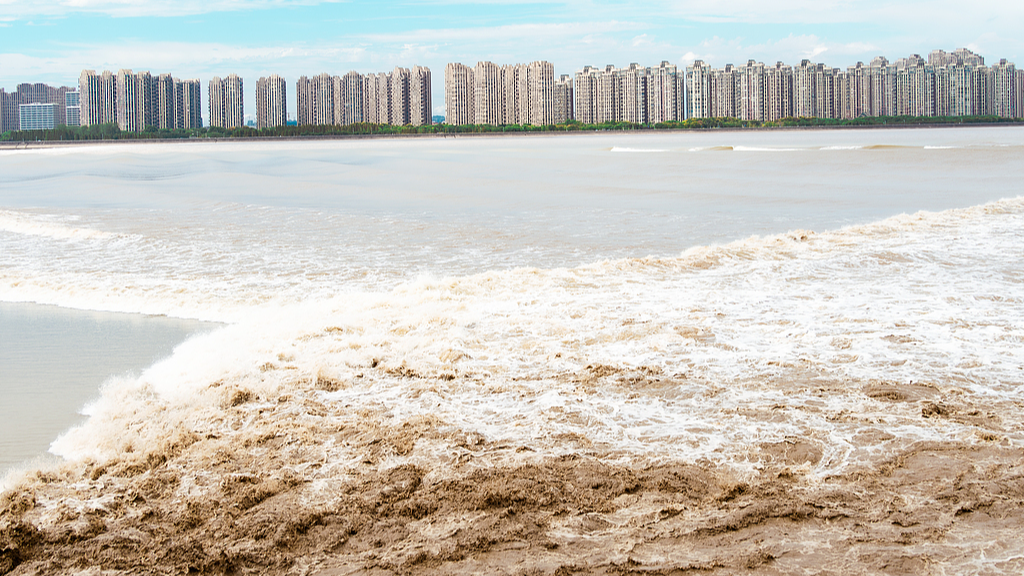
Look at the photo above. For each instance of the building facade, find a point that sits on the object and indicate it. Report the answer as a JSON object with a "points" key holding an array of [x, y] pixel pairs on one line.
{"points": [[36, 116], [948, 84], [512, 94], [10, 104], [400, 97], [635, 94], [72, 109], [459, 94], [189, 104], [227, 102], [271, 102], [8, 121], [137, 101], [421, 108]]}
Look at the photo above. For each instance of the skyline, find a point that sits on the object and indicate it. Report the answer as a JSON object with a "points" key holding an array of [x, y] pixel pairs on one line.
{"points": [[51, 42]]}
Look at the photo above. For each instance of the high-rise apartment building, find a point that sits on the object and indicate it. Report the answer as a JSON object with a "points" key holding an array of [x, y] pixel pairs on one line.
{"points": [[459, 94], [778, 92], [353, 99], [609, 92], [371, 92], [90, 98], [127, 100], [636, 94], [421, 110], [1002, 89], [108, 92], [271, 102], [805, 89], [226, 102], [189, 104], [134, 101], [165, 103], [8, 116], [216, 97], [586, 94], [401, 97], [631, 95], [384, 97], [10, 104], [666, 94], [36, 116], [488, 95], [72, 109], [98, 100], [1018, 97], [541, 80], [948, 84], [824, 92], [515, 79], [563, 97], [751, 90], [234, 101], [699, 90], [314, 100], [882, 89], [506, 95], [915, 87], [9, 111]]}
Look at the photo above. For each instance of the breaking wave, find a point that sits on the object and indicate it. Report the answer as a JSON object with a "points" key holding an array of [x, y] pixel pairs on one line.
{"points": [[757, 389], [46, 226]]}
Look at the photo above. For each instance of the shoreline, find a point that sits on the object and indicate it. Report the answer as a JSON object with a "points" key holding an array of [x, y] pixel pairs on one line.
{"points": [[41, 144], [56, 360]]}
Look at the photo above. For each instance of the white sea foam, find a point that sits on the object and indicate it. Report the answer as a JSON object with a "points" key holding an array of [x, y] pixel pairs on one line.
{"points": [[746, 328], [44, 225]]}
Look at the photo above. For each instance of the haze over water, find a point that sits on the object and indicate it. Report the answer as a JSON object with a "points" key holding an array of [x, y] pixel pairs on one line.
{"points": [[477, 304]]}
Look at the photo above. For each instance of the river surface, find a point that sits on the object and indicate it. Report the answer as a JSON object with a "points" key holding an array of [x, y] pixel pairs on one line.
{"points": [[630, 298]]}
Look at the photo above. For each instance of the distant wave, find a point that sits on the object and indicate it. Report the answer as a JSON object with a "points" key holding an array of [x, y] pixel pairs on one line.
{"points": [[40, 225], [766, 149], [636, 150]]}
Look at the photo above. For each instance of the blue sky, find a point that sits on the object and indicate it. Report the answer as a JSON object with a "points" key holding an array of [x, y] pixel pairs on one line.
{"points": [[53, 40]]}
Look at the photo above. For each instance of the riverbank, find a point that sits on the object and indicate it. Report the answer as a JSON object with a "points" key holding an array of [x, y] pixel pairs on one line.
{"points": [[496, 133]]}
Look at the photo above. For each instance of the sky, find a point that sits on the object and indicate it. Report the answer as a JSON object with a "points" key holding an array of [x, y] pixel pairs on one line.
{"points": [[52, 41]]}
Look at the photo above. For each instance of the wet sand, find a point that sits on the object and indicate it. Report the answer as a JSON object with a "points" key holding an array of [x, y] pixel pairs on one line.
{"points": [[265, 492]]}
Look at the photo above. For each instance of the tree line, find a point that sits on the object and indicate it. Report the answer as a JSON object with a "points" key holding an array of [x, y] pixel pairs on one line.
{"points": [[112, 132]]}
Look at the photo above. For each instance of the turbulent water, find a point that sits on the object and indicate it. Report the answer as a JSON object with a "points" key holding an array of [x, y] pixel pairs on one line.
{"points": [[775, 352]]}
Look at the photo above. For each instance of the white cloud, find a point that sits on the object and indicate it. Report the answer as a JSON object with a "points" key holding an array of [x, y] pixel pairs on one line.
{"points": [[905, 12], [183, 59], [507, 33], [130, 8]]}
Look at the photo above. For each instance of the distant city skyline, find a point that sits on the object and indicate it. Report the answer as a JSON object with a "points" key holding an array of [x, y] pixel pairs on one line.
{"points": [[956, 83], [51, 41]]}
